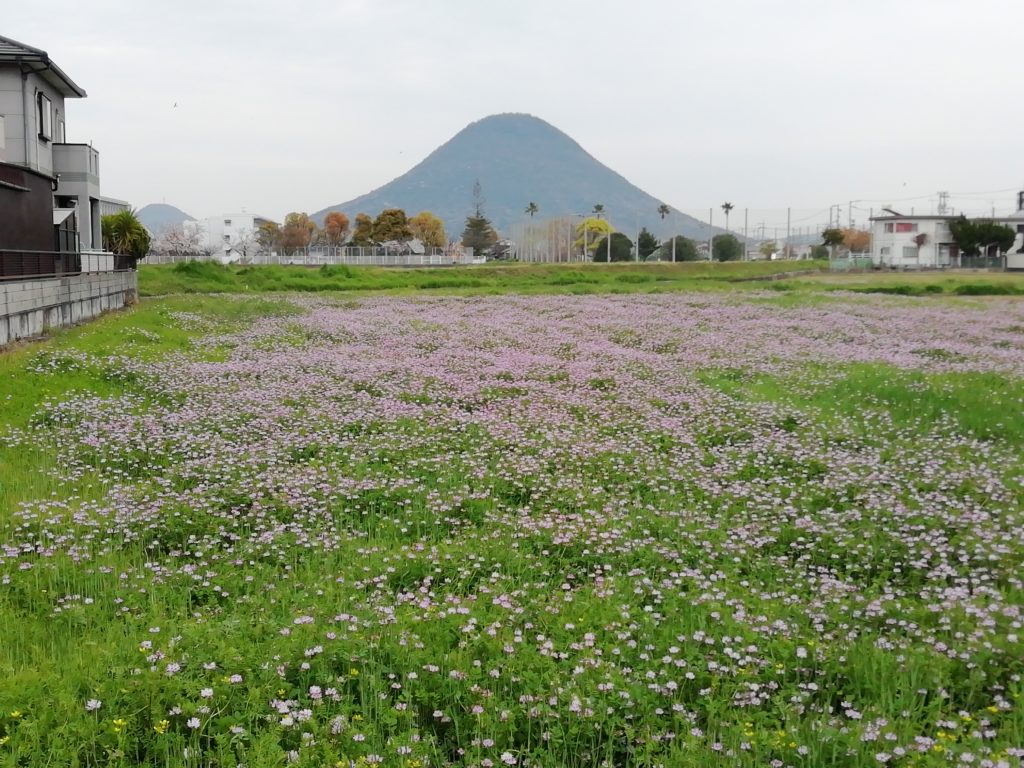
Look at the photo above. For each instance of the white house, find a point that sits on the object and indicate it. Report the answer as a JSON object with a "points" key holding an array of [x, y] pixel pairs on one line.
{"points": [[926, 242], [230, 237]]}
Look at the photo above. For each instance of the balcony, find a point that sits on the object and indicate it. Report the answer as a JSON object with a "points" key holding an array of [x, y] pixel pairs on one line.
{"points": [[76, 164]]}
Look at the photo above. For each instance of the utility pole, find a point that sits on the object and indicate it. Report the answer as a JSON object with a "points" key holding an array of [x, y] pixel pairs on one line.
{"points": [[711, 230], [746, 213], [789, 213], [943, 203]]}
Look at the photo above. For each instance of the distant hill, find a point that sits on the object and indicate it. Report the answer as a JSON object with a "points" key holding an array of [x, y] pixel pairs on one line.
{"points": [[518, 159], [157, 217]]}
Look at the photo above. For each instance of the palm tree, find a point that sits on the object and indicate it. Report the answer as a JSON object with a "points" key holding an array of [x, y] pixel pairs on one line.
{"points": [[598, 209], [727, 207], [532, 208], [124, 234], [663, 211]]}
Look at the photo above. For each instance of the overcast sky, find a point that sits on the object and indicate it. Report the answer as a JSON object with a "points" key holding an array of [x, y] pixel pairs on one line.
{"points": [[765, 103]]}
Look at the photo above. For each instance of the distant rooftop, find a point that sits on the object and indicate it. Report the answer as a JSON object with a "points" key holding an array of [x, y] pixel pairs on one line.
{"points": [[35, 60]]}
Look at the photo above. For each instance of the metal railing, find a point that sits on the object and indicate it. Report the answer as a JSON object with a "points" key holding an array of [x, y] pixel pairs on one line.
{"points": [[28, 264]]}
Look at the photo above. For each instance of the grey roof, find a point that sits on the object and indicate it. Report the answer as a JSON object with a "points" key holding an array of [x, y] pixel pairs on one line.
{"points": [[36, 60]]}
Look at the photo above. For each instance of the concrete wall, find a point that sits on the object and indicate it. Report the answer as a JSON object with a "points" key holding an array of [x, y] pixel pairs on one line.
{"points": [[28, 307]]}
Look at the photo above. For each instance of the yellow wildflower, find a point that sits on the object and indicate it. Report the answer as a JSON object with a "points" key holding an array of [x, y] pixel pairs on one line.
{"points": [[162, 726]]}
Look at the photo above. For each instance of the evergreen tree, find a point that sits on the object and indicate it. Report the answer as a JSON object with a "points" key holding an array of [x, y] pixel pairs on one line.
{"points": [[686, 250], [622, 248], [647, 243], [478, 234], [726, 248]]}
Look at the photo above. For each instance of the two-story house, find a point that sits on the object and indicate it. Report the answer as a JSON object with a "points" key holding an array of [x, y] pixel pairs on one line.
{"points": [[49, 188], [925, 241]]}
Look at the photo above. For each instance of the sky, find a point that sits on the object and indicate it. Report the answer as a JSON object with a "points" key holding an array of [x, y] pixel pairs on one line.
{"points": [[229, 105]]}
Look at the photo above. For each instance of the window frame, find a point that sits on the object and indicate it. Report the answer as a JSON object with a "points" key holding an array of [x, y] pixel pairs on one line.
{"points": [[44, 112]]}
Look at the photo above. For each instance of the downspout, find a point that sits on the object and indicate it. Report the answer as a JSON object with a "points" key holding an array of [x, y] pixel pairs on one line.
{"points": [[25, 107]]}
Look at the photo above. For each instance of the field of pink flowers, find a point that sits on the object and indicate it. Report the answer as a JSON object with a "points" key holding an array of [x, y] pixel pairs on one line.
{"points": [[547, 532]]}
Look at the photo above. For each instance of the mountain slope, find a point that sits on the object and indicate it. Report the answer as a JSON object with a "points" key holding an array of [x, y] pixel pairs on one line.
{"points": [[157, 217], [517, 159]]}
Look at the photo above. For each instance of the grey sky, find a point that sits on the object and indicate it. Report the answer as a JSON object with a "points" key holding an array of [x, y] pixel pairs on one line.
{"points": [[296, 106]]}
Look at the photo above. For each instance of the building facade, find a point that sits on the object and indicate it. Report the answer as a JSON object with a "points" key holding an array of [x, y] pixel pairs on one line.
{"points": [[49, 188], [230, 237], [916, 242]]}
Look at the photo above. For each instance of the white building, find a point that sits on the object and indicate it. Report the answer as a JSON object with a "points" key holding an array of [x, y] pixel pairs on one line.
{"points": [[926, 242], [231, 237]]}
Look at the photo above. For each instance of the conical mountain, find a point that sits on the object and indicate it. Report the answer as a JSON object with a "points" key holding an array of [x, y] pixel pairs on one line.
{"points": [[518, 159], [157, 217]]}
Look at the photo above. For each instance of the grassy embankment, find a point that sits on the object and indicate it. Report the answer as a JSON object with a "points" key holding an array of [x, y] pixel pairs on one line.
{"points": [[205, 277], [196, 277]]}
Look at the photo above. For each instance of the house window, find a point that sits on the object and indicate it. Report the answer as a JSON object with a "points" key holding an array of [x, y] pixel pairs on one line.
{"points": [[885, 250], [888, 227], [905, 226], [227, 238], [909, 251], [227, 222], [45, 118]]}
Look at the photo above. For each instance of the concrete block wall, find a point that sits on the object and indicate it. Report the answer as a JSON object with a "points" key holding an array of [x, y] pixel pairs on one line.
{"points": [[29, 307]]}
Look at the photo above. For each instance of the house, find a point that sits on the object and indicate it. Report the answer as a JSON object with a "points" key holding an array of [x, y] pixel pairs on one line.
{"points": [[231, 237], [110, 206], [49, 188], [926, 241]]}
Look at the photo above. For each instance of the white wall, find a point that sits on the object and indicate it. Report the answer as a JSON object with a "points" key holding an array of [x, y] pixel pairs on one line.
{"points": [[14, 105], [223, 238], [897, 249]]}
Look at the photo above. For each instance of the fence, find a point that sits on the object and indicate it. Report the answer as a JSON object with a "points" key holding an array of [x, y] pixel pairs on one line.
{"points": [[24, 264], [850, 263], [312, 257]]}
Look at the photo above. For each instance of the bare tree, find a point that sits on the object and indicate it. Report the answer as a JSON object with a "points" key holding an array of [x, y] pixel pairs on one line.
{"points": [[244, 244], [180, 241]]}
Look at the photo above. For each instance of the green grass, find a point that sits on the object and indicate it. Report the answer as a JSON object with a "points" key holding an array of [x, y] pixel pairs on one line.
{"points": [[84, 361], [987, 406], [582, 544], [491, 279], [207, 277]]}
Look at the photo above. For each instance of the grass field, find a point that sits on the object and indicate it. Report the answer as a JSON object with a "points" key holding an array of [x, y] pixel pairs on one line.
{"points": [[747, 527], [207, 277], [491, 279]]}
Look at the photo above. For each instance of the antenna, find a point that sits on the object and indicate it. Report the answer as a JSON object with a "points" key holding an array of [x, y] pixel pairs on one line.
{"points": [[943, 203]]}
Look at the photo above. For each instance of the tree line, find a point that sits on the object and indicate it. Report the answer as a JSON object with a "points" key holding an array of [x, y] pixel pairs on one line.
{"points": [[392, 225]]}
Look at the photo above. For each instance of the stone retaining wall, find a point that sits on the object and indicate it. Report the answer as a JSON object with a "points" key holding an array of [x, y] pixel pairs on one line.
{"points": [[29, 307]]}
